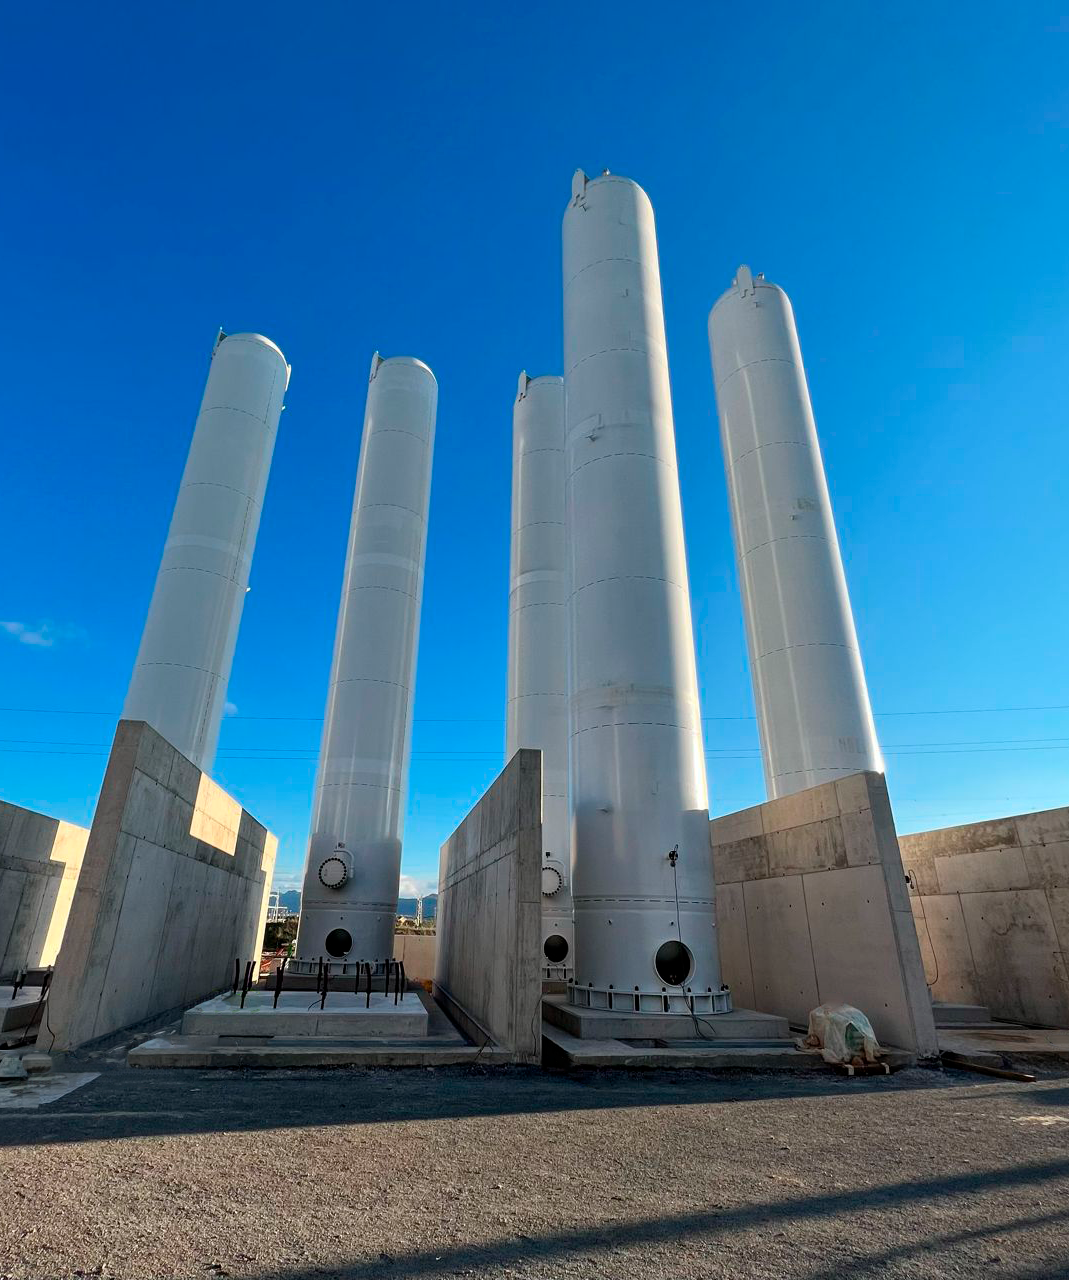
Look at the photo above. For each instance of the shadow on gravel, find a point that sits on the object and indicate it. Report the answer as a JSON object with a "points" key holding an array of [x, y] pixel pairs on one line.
{"points": [[604, 1239], [151, 1103]]}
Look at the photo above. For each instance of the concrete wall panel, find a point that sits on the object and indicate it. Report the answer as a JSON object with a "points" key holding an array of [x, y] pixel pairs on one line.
{"points": [[815, 909], [40, 858], [986, 869], [734, 944], [992, 899], [1048, 865], [944, 941], [489, 917], [1018, 958], [1048, 826], [781, 956], [852, 934], [417, 951], [158, 915]]}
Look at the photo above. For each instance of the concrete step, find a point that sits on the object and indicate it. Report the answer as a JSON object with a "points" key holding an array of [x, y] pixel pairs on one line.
{"points": [[959, 1015], [605, 1024]]}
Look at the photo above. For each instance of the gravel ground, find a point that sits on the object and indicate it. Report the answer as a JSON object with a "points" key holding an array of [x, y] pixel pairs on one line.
{"points": [[514, 1172]]}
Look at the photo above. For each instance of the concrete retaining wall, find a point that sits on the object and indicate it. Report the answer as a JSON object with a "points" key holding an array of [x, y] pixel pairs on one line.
{"points": [[991, 903], [812, 908], [40, 858], [174, 886], [488, 972], [419, 952]]}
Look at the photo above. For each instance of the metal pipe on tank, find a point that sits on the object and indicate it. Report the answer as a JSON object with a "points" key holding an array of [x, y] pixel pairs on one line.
{"points": [[349, 902], [813, 709], [183, 664], [642, 875], [538, 641]]}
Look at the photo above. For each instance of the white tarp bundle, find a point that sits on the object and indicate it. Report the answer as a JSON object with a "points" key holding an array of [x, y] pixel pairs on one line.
{"points": [[842, 1034]]}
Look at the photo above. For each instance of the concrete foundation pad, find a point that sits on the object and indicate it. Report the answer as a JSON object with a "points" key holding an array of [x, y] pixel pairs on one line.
{"points": [[38, 1091], [345, 1016], [999, 1043], [209, 1051], [20, 1011], [606, 1024], [559, 1049]]}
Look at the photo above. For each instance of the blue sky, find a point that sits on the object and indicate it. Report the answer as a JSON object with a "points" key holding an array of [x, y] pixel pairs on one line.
{"points": [[345, 178]]}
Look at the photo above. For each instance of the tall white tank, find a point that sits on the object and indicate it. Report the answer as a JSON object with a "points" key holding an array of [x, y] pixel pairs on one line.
{"points": [[813, 708], [642, 875], [187, 647], [538, 641], [349, 902]]}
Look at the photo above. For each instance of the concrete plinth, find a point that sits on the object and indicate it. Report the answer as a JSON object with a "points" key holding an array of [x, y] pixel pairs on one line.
{"points": [[20, 1011], [346, 1016], [437, 1043], [741, 1025]]}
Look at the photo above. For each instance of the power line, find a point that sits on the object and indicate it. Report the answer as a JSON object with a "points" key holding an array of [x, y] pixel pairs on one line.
{"points": [[462, 758], [934, 711], [493, 753]]}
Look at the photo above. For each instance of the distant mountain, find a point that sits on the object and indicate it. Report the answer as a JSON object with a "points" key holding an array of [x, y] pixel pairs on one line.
{"points": [[291, 900], [407, 906]]}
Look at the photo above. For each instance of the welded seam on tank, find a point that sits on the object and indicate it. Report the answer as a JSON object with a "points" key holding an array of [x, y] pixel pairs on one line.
{"points": [[534, 524], [769, 444], [192, 568], [637, 724], [371, 587], [841, 771], [396, 684], [747, 365], [395, 506], [214, 484], [597, 263], [375, 786], [397, 431], [788, 537], [624, 453], [812, 644], [704, 902], [184, 666], [609, 351], [627, 577], [547, 448], [232, 408]]}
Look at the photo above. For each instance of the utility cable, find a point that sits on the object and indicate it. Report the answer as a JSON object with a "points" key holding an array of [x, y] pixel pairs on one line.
{"points": [[673, 858]]}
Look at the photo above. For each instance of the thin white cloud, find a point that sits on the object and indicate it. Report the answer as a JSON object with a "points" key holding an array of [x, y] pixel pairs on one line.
{"points": [[42, 636], [417, 886]]}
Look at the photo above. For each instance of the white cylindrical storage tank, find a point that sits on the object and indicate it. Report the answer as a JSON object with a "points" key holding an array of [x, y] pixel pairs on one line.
{"points": [[538, 641], [642, 874], [813, 708], [187, 647], [349, 902]]}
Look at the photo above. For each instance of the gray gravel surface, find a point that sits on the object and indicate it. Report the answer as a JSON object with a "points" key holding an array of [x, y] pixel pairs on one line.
{"points": [[519, 1173]]}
